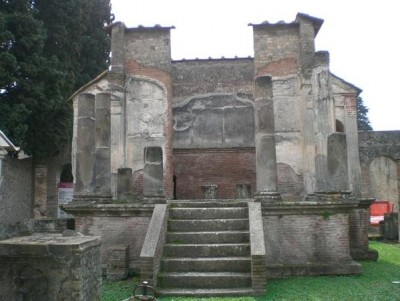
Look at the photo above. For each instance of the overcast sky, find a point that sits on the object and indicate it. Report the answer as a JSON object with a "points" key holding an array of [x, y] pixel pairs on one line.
{"points": [[360, 35]]}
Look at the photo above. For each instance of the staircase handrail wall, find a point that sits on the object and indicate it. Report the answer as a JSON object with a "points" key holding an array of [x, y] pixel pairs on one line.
{"points": [[150, 256], [257, 247]]}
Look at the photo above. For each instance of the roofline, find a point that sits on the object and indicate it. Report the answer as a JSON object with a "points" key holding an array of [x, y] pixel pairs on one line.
{"points": [[317, 23], [213, 59], [97, 78], [10, 146], [358, 90]]}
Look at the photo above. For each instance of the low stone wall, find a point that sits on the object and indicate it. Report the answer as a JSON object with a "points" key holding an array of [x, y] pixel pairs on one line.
{"points": [[117, 224], [50, 267], [308, 238], [10, 231], [152, 249]]}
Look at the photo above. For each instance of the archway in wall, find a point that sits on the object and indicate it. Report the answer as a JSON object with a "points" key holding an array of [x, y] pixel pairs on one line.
{"points": [[383, 180], [339, 126], [65, 188]]}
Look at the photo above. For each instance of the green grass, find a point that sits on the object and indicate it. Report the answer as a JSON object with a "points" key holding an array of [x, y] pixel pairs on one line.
{"points": [[375, 283]]}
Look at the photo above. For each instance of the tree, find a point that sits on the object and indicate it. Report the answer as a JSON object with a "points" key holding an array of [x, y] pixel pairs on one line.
{"points": [[32, 111], [363, 123], [76, 37], [47, 50]]}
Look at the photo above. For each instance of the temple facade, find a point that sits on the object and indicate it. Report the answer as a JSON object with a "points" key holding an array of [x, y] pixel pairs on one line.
{"points": [[277, 131]]}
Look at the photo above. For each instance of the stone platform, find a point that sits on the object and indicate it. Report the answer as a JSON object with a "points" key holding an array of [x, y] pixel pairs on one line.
{"points": [[50, 267]]}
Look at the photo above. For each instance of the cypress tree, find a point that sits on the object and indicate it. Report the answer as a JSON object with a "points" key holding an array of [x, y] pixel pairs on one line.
{"points": [[363, 123], [48, 49]]}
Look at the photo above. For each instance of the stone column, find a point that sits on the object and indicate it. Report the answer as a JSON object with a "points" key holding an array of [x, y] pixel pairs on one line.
{"points": [[337, 162], [103, 145], [118, 157], [352, 145], [117, 48], [85, 180], [309, 138], [153, 175], [324, 117], [266, 174]]}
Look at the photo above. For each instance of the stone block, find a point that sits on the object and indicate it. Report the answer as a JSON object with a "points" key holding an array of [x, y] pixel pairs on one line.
{"points": [[124, 183], [50, 267], [153, 180], [117, 262]]}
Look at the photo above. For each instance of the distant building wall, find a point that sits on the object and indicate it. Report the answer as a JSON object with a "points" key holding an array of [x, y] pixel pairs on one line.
{"points": [[380, 164]]}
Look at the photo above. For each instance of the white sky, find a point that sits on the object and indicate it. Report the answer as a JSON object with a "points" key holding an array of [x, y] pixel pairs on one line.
{"points": [[360, 36]]}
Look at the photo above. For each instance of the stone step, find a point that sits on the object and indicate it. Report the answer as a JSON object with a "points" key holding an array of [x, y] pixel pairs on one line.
{"points": [[207, 225], [209, 213], [211, 237], [206, 250], [209, 203], [202, 292], [208, 264], [194, 280]]}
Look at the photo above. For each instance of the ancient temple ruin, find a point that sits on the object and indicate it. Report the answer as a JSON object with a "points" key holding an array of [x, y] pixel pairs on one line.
{"points": [[165, 152]]}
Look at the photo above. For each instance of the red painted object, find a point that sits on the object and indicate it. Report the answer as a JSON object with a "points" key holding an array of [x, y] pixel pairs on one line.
{"points": [[378, 210]]}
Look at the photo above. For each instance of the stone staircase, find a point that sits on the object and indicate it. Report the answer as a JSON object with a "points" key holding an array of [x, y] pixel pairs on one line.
{"points": [[207, 250]]}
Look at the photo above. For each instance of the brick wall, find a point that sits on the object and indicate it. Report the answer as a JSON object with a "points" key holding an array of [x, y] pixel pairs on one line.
{"points": [[276, 49], [309, 244], [129, 231], [223, 167]]}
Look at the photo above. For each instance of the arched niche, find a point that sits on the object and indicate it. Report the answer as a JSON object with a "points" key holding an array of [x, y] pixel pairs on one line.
{"points": [[65, 188], [383, 179], [339, 126], [66, 174]]}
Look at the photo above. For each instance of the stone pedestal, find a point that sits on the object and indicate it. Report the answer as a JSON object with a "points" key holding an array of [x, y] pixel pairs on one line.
{"points": [[359, 221], [50, 267], [243, 191], [117, 262], [210, 191], [153, 175], [268, 197]]}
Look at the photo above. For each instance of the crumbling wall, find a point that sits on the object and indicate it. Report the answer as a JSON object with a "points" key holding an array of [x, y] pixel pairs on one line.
{"points": [[50, 267], [15, 195], [127, 231], [213, 122]]}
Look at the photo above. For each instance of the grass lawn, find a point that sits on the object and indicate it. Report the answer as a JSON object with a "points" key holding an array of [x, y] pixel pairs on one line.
{"points": [[375, 283]]}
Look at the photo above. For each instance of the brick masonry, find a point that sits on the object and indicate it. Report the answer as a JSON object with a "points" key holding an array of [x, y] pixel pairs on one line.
{"points": [[308, 244], [223, 167], [129, 231]]}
